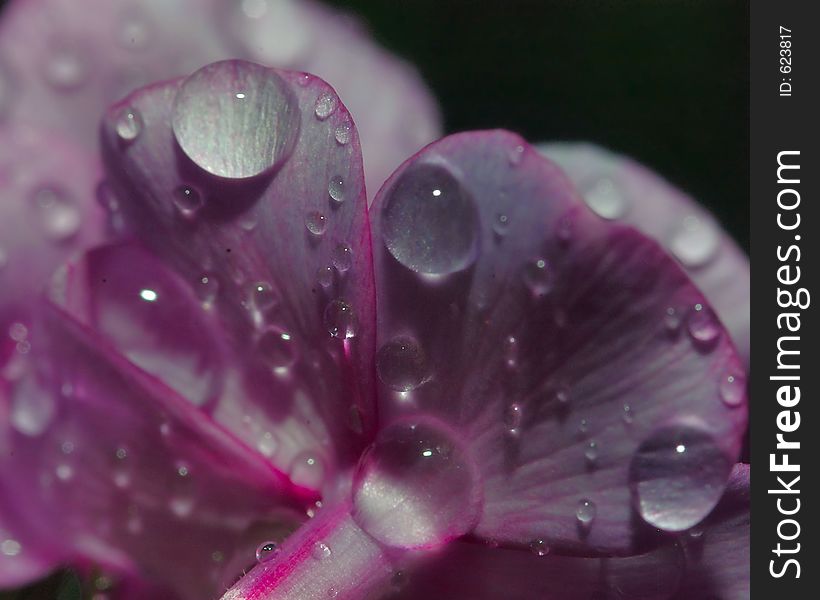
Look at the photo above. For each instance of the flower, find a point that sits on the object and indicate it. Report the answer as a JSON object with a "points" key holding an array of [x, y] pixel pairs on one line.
{"points": [[476, 385]]}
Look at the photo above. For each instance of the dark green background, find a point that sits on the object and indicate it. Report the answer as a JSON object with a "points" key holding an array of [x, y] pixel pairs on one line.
{"points": [[664, 81]]}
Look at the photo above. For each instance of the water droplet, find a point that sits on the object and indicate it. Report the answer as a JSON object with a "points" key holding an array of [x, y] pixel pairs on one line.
{"points": [[340, 320], [538, 277], [336, 189], [128, 124], [307, 470], [583, 427], [10, 547], [276, 348], [695, 242], [501, 225], [66, 69], [703, 326], [266, 551], [267, 444], [59, 215], [585, 513], [515, 156], [235, 119], [605, 199], [733, 389], [325, 105], [539, 547], [513, 416], [435, 498], [332, 593], [591, 452], [402, 364], [188, 201], [562, 395], [32, 409], [316, 223], [510, 352], [343, 132], [342, 257], [321, 551], [64, 472], [324, 276], [207, 289], [677, 476], [261, 300], [181, 506], [628, 416], [430, 222], [672, 320]]}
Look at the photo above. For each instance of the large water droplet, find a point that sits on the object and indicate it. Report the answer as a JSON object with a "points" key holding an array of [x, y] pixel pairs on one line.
{"points": [[235, 119], [416, 486], [677, 476], [430, 223], [59, 215], [343, 132], [402, 364], [703, 326], [266, 551], [325, 105], [695, 242], [128, 124], [340, 320], [605, 199], [154, 319], [276, 348], [188, 201]]}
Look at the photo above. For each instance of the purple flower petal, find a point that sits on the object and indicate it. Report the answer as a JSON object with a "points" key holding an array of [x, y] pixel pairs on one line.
{"points": [[618, 188], [62, 62], [236, 180], [124, 456], [588, 376]]}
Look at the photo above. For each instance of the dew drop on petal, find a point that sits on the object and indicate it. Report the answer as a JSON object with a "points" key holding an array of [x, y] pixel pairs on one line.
{"points": [[515, 156], [187, 200], [66, 69], [342, 257], [672, 320], [128, 124], [501, 225], [538, 277], [402, 364], [324, 276], [436, 497], [336, 189], [261, 299], [703, 326], [10, 547], [733, 389], [605, 199], [430, 222], [325, 105], [276, 348], [267, 444], [591, 452], [343, 132], [321, 551], [340, 320], [307, 470], [266, 551], [695, 242], [677, 475], [316, 223], [207, 288], [539, 547], [585, 513], [235, 119], [628, 416], [513, 416]]}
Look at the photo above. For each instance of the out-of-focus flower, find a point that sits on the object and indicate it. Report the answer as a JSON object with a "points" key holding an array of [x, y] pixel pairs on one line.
{"points": [[543, 405]]}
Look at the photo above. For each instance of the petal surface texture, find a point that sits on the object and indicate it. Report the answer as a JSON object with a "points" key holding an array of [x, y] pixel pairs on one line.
{"points": [[594, 389], [62, 62], [238, 184], [618, 188]]}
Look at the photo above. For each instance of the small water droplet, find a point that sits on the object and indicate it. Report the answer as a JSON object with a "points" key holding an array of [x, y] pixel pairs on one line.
{"points": [[181, 506], [261, 300], [66, 69], [605, 199], [64, 472], [672, 320], [336, 189], [316, 223], [402, 364], [539, 547], [128, 124], [515, 156], [628, 416], [703, 326], [591, 452], [343, 132], [733, 389], [562, 394], [538, 277], [513, 416], [677, 475], [307, 470], [501, 225], [207, 289], [695, 242], [583, 426], [430, 222], [267, 444], [321, 551], [59, 215], [585, 513], [325, 105], [342, 257], [188, 201], [340, 320], [276, 348], [324, 276], [332, 593], [266, 551]]}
